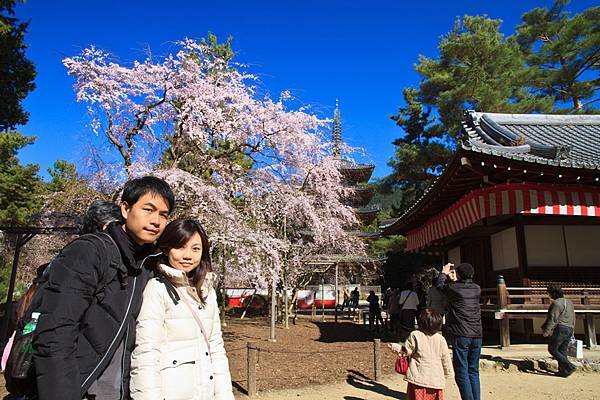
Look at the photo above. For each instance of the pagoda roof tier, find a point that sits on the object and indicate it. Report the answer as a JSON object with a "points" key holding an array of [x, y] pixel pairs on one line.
{"points": [[509, 148], [366, 235], [366, 215], [354, 173], [361, 197]]}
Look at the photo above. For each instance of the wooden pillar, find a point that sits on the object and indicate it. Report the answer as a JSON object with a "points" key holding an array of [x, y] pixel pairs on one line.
{"points": [[11, 288], [337, 293], [377, 359], [503, 301], [322, 298], [251, 376]]}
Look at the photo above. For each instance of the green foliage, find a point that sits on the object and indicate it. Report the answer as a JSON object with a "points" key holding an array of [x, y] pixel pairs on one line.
{"points": [[478, 68], [421, 153], [63, 174], [20, 185], [16, 72], [20, 287], [563, 53], [553, 58]]}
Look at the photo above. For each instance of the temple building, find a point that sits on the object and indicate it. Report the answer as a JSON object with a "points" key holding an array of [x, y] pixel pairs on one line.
{"points": [[520, 198]]}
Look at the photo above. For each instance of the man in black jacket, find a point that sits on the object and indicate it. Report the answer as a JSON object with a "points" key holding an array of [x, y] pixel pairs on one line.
{"points": [[463, 325], [86, 330]]}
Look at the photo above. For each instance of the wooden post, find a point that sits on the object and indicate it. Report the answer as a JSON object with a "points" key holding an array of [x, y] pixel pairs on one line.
{"points": [[337, 293], [273, 307], [590, 331], [252, 359], [322, 298], [11, 288], [377, 359], [503, 301]]}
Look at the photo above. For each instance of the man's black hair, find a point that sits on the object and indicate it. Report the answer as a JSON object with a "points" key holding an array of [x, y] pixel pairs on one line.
{"points": [[555, 291], [99, 214], [465, 271], [136, 188]]}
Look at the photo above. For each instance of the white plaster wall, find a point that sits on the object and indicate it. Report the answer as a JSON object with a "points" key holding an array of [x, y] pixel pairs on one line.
{"points": [[454, 255], [545, 246], [582, 245], [504, 250]]}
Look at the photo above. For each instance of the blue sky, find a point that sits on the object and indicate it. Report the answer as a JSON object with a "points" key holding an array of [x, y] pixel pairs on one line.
{"points": [[361, 52]]}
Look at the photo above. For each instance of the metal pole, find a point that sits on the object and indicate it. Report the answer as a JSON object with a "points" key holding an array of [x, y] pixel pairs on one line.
{"points": [[273, 306], [11, 289]]}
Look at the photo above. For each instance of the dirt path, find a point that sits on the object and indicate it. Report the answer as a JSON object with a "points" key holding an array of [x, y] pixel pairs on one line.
{"points": [[495, 385]]}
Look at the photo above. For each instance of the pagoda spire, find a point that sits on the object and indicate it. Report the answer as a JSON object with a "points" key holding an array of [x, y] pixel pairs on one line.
{"points": [[337, 130]]}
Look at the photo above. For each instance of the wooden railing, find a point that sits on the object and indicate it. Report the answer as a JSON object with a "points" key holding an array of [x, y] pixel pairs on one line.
{"points": [[532, 302]]}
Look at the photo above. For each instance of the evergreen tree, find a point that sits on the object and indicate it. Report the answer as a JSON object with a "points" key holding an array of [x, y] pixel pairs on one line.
{"points": [[63, 174], [420, 154], [477, 68], [16, 71], [19, 185], [563, 53]]}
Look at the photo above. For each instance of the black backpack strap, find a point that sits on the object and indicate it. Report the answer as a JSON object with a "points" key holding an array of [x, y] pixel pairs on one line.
{"points": [[110, 257], [171, 290]]}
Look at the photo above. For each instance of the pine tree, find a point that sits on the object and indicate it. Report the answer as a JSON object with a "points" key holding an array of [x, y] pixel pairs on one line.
{"points": [[19, 185], [16, 72], [563, 54]]}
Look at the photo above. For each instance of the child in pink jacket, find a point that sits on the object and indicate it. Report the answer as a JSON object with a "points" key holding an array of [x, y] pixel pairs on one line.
{"points": [[430, 362]]}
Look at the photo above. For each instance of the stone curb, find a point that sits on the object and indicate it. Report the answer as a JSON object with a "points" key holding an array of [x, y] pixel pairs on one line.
{"points": [[530, 365]]}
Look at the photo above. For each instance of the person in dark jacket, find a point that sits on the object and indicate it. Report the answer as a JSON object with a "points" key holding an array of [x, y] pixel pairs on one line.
{"points": [[86, 329], [559, 326], [463, 325], [374, 310]]}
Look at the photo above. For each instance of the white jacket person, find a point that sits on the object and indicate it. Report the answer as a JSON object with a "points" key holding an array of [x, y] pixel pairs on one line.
{"points": [[173, 359]]}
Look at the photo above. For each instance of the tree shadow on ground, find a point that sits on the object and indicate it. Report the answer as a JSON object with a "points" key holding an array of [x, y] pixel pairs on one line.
{"points": [[239, 387], [360, 381], [331, 332]]}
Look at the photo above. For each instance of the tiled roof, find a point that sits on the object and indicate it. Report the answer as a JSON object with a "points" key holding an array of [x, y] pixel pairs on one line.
{"points": [[566, 141], [571, 141]]}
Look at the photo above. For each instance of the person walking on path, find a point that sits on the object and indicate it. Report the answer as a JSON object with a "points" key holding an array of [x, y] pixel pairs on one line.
{"points": [[430, 362], [179, 352], [463, 326], [559, 326], [86, 328], [394, 310]]}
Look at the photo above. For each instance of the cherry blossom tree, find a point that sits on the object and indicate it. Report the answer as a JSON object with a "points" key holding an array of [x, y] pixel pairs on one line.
{"points": [[256, 172]]}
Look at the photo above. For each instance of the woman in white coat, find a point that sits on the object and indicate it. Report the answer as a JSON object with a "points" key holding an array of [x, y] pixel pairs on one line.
{"points": [[179, 353]]}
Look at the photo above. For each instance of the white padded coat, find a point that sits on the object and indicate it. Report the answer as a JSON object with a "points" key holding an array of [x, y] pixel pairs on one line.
{"points": [[172, 360]]}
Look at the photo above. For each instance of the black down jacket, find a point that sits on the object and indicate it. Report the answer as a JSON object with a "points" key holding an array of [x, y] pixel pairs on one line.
{"points": [[464, 312], [89, 306]]}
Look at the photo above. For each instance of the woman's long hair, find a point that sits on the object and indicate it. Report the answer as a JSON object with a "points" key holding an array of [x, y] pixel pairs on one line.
{"points": [[177, 233]]}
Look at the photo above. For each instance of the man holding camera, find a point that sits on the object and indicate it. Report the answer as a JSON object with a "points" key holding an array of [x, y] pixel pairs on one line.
{"points": [[463, 325]]}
